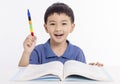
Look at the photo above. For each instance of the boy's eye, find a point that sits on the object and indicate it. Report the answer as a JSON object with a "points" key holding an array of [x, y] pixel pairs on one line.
{"points": [[64, 23], [52, 23]]}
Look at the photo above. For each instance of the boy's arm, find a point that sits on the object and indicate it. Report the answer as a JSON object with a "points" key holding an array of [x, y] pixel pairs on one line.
{"points": [[24, 61], [28, 45]]}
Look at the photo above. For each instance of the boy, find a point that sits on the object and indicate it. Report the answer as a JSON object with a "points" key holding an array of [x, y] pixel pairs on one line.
{"points": [[58, 23]]}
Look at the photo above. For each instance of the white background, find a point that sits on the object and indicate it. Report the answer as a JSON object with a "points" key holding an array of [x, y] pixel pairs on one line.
{"points": [[97, 29]]}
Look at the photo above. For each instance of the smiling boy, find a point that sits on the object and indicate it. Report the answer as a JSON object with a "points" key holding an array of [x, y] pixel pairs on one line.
{"points": [[58, 23]]}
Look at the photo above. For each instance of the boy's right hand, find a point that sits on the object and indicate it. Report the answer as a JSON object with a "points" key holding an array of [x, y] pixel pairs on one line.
{"points": [[29, 43]]}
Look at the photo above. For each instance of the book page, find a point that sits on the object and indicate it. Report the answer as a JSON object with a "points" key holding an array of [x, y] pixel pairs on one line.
{"points": [[78, 68], [34, 71]]}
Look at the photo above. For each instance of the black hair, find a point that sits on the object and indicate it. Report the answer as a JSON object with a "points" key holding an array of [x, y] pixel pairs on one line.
{"points": [[59, 8]]}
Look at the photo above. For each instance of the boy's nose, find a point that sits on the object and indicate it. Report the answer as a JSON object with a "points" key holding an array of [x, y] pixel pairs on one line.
{"points": [[58, 28]]}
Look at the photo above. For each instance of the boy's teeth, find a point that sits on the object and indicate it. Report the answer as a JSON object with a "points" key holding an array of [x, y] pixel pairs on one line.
{"points": [[58, 34]]}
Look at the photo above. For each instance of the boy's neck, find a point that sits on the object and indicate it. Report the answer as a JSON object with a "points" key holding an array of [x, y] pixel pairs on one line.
{"points": [[58, 48], [53, 44]]}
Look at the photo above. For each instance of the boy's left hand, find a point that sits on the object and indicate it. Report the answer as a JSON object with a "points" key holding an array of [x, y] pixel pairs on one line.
{"points": [[96, 64]]}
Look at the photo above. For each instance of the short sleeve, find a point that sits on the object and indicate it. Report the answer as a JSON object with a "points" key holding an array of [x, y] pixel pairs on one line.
{"points": [[81, 56], [34, 59]]}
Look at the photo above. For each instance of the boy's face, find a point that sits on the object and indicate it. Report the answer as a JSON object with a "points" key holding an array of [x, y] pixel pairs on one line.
{"points": [[59, 26]]}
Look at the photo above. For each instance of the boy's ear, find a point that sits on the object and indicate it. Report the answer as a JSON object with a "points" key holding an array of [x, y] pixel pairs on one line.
{"points": [[45, 26], [72, 27]]}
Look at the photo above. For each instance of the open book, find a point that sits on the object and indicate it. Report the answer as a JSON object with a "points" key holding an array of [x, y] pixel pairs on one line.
{"points": [[57, 69]]}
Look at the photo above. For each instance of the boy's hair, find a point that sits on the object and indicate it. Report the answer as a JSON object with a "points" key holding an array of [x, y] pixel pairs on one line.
{"points": [[59, 8]]}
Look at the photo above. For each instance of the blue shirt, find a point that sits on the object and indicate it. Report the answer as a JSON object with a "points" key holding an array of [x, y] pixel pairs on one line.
{"points": [[43, 54]]}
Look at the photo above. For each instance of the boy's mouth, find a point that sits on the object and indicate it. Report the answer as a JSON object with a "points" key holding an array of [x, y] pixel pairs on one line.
{"points": [[58, 35]]}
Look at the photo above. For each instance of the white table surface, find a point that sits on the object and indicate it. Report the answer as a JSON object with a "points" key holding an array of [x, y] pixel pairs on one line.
{"points": [[7, 73]]}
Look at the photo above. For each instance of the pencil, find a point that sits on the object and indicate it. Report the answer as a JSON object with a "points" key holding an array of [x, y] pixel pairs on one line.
{"points": [[30, 22]]}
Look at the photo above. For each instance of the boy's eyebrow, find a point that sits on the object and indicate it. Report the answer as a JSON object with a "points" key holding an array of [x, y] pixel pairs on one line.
{"points": [[64, 20], [55, 21]]}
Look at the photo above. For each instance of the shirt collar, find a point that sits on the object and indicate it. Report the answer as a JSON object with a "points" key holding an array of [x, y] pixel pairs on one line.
{"points": [[49, 53], [68, 51], [48, 50]]}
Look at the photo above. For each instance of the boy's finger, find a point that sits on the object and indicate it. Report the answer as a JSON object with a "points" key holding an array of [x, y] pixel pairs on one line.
{"points": [[91, 63]]}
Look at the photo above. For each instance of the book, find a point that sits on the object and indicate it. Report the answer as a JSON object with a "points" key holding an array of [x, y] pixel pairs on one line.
{"points": [[58, 70]]}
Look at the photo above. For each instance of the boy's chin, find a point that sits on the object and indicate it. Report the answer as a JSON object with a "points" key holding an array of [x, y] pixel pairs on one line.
{"points": [[58, 41]]}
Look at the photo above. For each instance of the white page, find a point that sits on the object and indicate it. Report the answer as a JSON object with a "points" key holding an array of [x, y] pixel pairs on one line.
{"points": [[93, 72], [34, 71]]}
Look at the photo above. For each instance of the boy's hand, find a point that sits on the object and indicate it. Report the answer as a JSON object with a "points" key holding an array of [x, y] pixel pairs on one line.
{"points": [[96, 64], [29, 43]]}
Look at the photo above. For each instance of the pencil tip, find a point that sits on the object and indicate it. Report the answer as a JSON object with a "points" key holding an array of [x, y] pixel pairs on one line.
{"points": [[28, 12]]}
